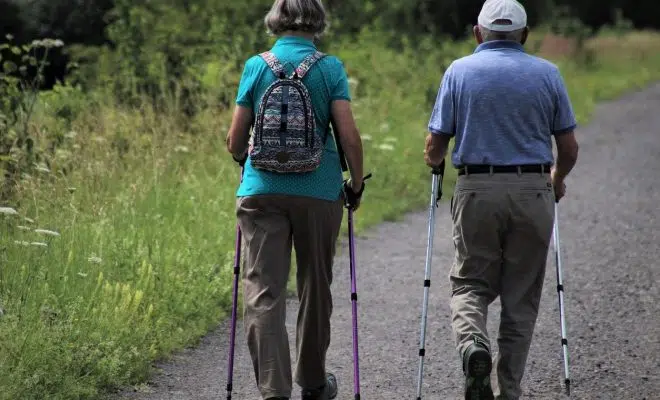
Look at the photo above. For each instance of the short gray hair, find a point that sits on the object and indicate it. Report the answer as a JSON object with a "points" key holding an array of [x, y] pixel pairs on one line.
{"points": [[488, 35], [296, 15]]}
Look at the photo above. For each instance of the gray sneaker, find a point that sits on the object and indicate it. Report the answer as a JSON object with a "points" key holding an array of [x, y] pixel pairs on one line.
{"points": [[325, 392]]}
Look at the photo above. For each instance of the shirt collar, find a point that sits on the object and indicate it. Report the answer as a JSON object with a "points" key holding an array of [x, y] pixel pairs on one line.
{"points": [[499, 44], [284, 40]]}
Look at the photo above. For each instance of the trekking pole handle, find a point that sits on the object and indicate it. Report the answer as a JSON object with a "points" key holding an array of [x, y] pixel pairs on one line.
{"points": [[438, 173], [440, 169], [363, 179]]}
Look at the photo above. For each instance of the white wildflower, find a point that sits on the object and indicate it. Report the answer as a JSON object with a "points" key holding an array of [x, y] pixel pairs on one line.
{"points": [[39, 244], [43, 168], [47, 43], [95, 260], [386, 147], [366, 137], [8, 211], [47, 232], [181, 149], [21, 243], [28, 220], [82, 274], [62, 154], [23, 227]]}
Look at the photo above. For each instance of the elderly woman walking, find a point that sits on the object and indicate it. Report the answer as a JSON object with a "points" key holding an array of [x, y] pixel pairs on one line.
{"points": [[292, 194]]}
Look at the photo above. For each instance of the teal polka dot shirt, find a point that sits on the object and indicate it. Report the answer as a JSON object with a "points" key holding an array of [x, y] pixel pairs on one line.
{"points": [[326, 81]]}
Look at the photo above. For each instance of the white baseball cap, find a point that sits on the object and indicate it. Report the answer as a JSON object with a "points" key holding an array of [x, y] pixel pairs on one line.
{"points": [[502, 15]]}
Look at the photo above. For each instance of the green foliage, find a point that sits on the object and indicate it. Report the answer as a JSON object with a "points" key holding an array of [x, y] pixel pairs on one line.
{"points": [[129, 267], [183, 54], [19, 154], [564, 23], [619, 27], [69, 20], [182, 50]]}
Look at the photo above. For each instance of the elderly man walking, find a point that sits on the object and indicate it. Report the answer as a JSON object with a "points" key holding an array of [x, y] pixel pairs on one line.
{"points": [[503, 107]]}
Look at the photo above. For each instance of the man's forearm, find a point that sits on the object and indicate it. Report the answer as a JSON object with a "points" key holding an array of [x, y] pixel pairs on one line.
{"points": [[564, 165], [567, 154], [436, 149]]}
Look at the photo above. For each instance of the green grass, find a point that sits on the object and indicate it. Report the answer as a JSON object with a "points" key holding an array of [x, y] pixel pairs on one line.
{"points": [[142, 263]]}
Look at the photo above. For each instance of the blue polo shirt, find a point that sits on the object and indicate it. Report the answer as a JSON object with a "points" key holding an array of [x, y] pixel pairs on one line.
{"points": [[326, 81], [502, 106]]}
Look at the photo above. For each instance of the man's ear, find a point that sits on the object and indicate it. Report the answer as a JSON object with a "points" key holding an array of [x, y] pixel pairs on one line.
{"points": [[477, 34], [525, 34]]}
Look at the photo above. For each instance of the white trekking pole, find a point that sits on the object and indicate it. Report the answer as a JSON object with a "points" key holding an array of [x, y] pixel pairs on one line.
{"points": [[560, 292], [436, 194]]}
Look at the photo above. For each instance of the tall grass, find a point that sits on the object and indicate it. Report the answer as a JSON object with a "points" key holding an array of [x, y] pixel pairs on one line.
{"points": [[135, 259], [139, 266]]}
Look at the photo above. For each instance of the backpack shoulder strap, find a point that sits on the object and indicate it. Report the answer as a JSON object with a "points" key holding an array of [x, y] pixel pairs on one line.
{"points": [[307, 63], [273, 63]]}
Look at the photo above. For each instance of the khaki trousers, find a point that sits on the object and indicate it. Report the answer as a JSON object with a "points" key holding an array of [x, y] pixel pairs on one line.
{"points": [[502, 231], [271, 225]]}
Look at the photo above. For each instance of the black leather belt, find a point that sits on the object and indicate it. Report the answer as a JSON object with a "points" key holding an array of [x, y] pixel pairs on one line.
{"points": [[503, 169]]}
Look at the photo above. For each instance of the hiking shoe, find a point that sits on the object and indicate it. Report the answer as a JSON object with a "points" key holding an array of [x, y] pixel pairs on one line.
{"points": [[477, 365], [325, 392]]}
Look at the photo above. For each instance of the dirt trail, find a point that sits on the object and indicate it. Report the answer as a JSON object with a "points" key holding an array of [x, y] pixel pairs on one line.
{"points": [[610, 230]]}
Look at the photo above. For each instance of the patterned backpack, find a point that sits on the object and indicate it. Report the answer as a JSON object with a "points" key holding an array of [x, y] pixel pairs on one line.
{"points": [[284, 138]]}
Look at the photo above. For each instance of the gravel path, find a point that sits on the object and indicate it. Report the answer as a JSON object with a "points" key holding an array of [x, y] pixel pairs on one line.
{"points": [[610, 229]]}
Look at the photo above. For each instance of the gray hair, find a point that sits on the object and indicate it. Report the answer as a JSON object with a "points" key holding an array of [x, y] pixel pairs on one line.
{"points": [[296, 15], [489, 35]]}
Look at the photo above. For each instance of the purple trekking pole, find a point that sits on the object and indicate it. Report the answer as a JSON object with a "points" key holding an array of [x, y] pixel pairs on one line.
{"points": [[237, 271], [351, 252]]}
